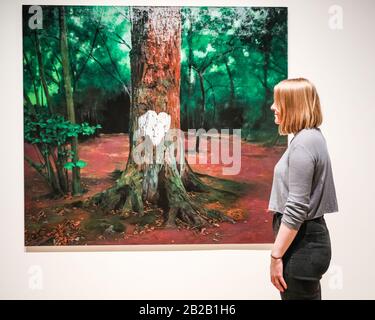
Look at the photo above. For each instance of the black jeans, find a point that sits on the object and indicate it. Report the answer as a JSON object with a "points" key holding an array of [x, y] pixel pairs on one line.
{"points": [[306, 260]]}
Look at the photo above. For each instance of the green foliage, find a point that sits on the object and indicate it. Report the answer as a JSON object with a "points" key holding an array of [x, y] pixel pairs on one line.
{"points": [[70, 165], [99, 47], [240, 52], [50, 132], [81, 164]]}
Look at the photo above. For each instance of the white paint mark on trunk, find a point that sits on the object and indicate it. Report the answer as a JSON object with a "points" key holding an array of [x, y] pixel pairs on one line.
{"points": [[154, 125]]}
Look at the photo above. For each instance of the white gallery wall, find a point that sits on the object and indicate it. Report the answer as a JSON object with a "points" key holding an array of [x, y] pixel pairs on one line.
{"points": [[341, 62]]}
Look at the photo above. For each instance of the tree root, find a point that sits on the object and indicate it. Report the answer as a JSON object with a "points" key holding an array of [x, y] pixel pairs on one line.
{"points": [[178, 202], [125, 195], [191, 180]]}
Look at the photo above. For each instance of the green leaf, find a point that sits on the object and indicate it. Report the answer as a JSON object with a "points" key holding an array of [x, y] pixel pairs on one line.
{"points": [[69, 165], [81, 164]]}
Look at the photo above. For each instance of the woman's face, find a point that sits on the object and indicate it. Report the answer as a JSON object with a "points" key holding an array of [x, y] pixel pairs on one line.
{"points": [[276, 110]]}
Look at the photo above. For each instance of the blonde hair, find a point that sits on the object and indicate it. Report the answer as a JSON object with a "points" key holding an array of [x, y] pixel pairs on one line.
{"points": [[299, 105]]}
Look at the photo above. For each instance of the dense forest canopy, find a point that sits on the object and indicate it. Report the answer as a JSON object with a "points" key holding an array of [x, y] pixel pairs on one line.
{"points": [[230, 60], [145, 70]]}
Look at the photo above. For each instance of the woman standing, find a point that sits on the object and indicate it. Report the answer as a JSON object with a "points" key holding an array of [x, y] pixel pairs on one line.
{"points": [[303, 191]]}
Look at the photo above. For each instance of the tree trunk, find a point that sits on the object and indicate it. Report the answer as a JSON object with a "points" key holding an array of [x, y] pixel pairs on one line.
{"points": [[203, 109], [267, 92], [54, 183], [42, 73], [32, 78], [61, 171], [190, 66], [155, 76], [266, 47], [76, 180], [231, 83]]}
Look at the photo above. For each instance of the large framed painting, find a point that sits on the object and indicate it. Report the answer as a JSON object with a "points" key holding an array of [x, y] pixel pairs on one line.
{"points": [[150, 125]]}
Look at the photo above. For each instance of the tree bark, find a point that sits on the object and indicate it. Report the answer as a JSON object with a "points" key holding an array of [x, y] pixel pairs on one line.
{"points": [[190, 66], [231, 84], [203, 109], [155, 77], [32, 78], [76, 179], [42, 73], [266, 47]]}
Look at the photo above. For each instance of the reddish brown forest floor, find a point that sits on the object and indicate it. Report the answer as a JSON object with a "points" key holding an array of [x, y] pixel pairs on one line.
{"points": [[47, 226]]}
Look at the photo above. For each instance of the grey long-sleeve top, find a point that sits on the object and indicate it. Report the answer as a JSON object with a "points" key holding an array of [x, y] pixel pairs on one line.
{"points": [[303, 187]]}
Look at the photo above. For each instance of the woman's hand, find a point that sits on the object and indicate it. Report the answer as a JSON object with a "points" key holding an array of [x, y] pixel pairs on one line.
{"points": [[284, 238], [277, 278]]}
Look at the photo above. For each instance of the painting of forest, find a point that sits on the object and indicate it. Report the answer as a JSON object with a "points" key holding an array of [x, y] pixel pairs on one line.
{"points": [[150, 125]]}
